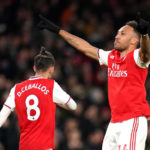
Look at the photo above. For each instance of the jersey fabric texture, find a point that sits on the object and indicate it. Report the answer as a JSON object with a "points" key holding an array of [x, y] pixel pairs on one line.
{"points": [[36, 114], [126, 87]]}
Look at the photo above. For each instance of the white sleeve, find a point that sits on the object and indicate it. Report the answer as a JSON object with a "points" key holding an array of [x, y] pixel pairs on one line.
{"points": [[72, 104], [4, 113], [138, 61], [103, 57], [10, 101], [59, 95]]}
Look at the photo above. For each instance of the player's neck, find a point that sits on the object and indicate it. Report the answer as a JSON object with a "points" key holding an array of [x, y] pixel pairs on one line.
{"points": [[126, 51], [43, 75]]}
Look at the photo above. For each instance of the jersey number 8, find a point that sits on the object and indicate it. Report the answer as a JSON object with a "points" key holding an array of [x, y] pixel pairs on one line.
{"points": [[34, 107]]}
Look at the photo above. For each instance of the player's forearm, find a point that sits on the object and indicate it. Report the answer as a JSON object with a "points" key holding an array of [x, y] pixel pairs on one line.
{"points": [[71, 105], [4, 113], [67, 107], [79, 44], [63, 106], [75, 41], [145, 47]]}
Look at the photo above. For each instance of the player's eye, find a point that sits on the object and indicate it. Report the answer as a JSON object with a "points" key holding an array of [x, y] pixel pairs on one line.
{"points": [[122, 33]]}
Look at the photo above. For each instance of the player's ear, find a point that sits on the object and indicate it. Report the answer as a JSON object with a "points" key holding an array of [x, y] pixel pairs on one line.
{"points": [[51, 70], [134, 41], [34, 68]]}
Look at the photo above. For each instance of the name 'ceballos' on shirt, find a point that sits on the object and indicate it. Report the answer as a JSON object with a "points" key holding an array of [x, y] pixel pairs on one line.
{"points": [[35, 103]]}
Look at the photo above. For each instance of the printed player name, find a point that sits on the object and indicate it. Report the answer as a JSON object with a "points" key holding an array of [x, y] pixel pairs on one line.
{"points": [[35, 86]]}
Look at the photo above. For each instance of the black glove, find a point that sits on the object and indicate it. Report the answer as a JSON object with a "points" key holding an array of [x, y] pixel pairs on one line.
{"points": [[47, 24], [143, 25]]}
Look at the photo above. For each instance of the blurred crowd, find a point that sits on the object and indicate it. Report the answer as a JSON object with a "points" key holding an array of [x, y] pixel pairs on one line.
{"points": [[96, 21]]}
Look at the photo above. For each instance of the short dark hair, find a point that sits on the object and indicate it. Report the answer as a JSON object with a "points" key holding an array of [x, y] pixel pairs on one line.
{"points": [[134, 25], [43, 60]]}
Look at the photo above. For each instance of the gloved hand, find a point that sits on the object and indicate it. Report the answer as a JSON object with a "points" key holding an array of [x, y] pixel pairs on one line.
{"points": [[47, 24], [143, 25]]}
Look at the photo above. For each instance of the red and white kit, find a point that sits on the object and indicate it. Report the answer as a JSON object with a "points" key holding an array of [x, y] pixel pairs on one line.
{"points": [[127, 99], [34, 100]]}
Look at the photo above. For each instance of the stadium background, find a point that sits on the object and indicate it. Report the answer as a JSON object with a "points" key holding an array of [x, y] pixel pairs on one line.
{"points": [[97, 22]]}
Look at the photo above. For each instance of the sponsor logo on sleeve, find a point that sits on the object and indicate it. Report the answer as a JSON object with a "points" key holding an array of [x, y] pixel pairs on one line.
{"points": [[112, 56]]}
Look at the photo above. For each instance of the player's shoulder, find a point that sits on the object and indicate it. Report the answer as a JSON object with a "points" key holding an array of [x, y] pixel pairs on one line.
{"points": [[138, 60], [112, 53], [136, 50], [19, 83], [102, 52], [106, 50], [40, 81]]}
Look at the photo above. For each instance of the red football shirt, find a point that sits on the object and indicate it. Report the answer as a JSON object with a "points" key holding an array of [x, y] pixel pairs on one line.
{"points": [[126, 86], [34, 100], [36, 114]]}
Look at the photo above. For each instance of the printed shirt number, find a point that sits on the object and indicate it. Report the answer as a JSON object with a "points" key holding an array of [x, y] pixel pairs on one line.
{"points": [[33, 107]]}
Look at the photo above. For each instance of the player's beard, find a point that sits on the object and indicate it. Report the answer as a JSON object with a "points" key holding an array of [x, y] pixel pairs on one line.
{"points": [[119, 48], [49, 77]]}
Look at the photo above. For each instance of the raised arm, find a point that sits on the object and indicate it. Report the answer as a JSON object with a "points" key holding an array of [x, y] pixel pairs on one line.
{"points": [[77, 42], [145, 48], [143, 27]]}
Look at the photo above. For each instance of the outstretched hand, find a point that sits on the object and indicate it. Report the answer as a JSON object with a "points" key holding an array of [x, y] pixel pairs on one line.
{"points": [[47, 24], [143, 25]]}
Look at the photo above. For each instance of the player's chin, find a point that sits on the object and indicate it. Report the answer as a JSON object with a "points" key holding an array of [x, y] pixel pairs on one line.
{"points": [[118, 48]]}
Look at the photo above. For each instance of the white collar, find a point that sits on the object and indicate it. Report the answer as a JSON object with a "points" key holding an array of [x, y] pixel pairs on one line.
{"points": [[35, 77]]}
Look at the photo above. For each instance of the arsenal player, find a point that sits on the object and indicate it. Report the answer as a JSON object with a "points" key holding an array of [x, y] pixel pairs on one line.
{"points": [[35, 101], [127, 71]]}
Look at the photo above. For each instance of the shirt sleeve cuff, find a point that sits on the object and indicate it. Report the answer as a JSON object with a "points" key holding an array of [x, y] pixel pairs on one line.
{"points": [[68, 100], [7, 106]]}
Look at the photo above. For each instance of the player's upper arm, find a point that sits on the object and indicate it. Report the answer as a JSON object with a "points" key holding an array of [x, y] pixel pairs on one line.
{"points": [[61, 97], [138, 60], [103, 56]]}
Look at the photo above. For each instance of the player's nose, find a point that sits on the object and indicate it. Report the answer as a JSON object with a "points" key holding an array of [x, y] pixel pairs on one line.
{"points": [[117, 36]]}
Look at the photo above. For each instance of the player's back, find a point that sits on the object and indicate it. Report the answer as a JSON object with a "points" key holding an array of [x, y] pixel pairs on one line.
{"points": [[36, 113]]}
